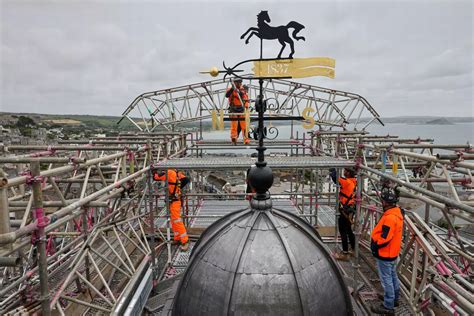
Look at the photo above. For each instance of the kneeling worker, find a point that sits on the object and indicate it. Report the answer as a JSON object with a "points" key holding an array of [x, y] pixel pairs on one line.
{"points": [[176, 181]]}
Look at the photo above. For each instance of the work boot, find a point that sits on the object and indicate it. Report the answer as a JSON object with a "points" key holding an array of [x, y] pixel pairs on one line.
{"points": [[185, 246], [343, 256], [381, 297], [234, 141], [381, 310], [247, 141]]}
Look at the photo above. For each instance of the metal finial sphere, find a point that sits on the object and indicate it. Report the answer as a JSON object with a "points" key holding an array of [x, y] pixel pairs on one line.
{"points": [[261, 178], [214, 71]]}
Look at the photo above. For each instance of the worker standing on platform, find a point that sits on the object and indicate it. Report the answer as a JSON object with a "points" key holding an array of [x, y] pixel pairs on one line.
{"points": [[346, 207], [385, 244], [176, 181], [238, 102]]}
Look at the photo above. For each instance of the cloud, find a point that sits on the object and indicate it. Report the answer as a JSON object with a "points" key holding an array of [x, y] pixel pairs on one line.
{"points": [[95, 57]]}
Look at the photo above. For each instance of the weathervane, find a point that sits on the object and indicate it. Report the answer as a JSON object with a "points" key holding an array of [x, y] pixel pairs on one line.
{"points": [[280, 33], [260, 177]]}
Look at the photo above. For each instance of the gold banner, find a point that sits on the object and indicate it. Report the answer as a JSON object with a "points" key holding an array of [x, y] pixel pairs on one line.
{"points": [[295, 68]]}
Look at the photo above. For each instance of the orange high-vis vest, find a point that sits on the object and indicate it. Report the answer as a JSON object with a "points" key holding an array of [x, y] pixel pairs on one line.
{"points": [[235, 100], [173, 177], [347, 190], [387, 235]]}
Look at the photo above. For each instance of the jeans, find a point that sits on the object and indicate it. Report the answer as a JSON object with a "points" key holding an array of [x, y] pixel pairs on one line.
{"points": [[345, 229], [389, 279]]}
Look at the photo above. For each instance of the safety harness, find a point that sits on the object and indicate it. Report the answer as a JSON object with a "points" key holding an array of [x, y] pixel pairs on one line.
{"points": [[348, 210], [178, 184], [234, 108]]}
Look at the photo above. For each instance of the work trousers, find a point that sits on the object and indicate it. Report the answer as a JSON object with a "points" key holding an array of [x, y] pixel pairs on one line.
{"points": [[177, 224], [390, 283], [345, 230], [236, 126]]}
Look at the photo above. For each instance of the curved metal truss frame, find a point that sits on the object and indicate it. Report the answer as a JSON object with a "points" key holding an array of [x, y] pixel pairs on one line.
{"points": [[164, 109]]}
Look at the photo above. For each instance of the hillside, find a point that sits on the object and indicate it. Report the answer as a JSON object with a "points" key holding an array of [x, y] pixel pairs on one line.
{"points": [[440, 121], [109, 123]]}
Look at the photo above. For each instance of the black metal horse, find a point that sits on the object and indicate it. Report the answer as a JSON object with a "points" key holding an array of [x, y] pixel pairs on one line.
{"points": [[265, 31]]}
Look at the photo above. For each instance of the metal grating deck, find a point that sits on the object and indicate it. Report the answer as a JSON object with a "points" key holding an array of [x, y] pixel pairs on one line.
{"points": [[368, 292], [243, 163]]}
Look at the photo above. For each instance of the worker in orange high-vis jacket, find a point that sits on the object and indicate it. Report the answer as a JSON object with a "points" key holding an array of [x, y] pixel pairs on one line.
{"points": [[238, 102], [176, 181], [347, 190], [385, 244]]}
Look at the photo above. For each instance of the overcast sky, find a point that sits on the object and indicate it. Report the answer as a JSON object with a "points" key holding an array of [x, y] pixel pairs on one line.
{"points": [[95, 57]]}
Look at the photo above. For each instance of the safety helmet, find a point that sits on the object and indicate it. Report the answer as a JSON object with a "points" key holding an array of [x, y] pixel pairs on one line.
{"points": [[390, 195], [237, 79], [158, 173], [351, 171]]}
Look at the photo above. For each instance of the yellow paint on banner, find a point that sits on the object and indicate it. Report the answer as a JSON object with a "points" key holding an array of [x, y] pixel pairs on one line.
{"points": [[247, 121], [309, 119], [395, 165], [395, 168], [214, 119], [221, 120], [314, 71], [295, 68]]}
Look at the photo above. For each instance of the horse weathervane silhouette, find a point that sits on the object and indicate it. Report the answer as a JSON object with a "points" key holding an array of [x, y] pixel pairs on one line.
{"points": [[265, 31]]}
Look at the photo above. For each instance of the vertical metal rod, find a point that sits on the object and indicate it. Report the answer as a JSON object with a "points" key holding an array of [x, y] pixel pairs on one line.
{"points": [[304, 144], [151, 213], [41, 243], [168, 217], [297, 182], [291, 131], [19, 169], [357, 231], [297, 147], [151, 216], [427, 221], [261, 149], [200, 123], [84, 236], [336, 209], [414, 274], [4, 213], [291, 186], [311, 191], [316, 200], [302, 196]]}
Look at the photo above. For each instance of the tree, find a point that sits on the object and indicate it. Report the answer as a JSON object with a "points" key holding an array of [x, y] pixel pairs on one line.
{"points": [[24, 121]]}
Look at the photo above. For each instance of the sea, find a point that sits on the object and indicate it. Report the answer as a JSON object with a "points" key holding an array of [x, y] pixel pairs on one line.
{"points": [[459, 133]]}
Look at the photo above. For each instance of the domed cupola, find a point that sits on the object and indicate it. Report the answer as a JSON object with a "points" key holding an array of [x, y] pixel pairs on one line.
{"points": [[261, 261]]}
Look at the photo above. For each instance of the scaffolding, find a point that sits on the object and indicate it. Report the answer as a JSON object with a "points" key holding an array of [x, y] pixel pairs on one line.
{"points": [[84, 229]]}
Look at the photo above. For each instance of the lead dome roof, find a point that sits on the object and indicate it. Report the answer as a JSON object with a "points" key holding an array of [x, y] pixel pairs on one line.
{"points": [[261, 262]]}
